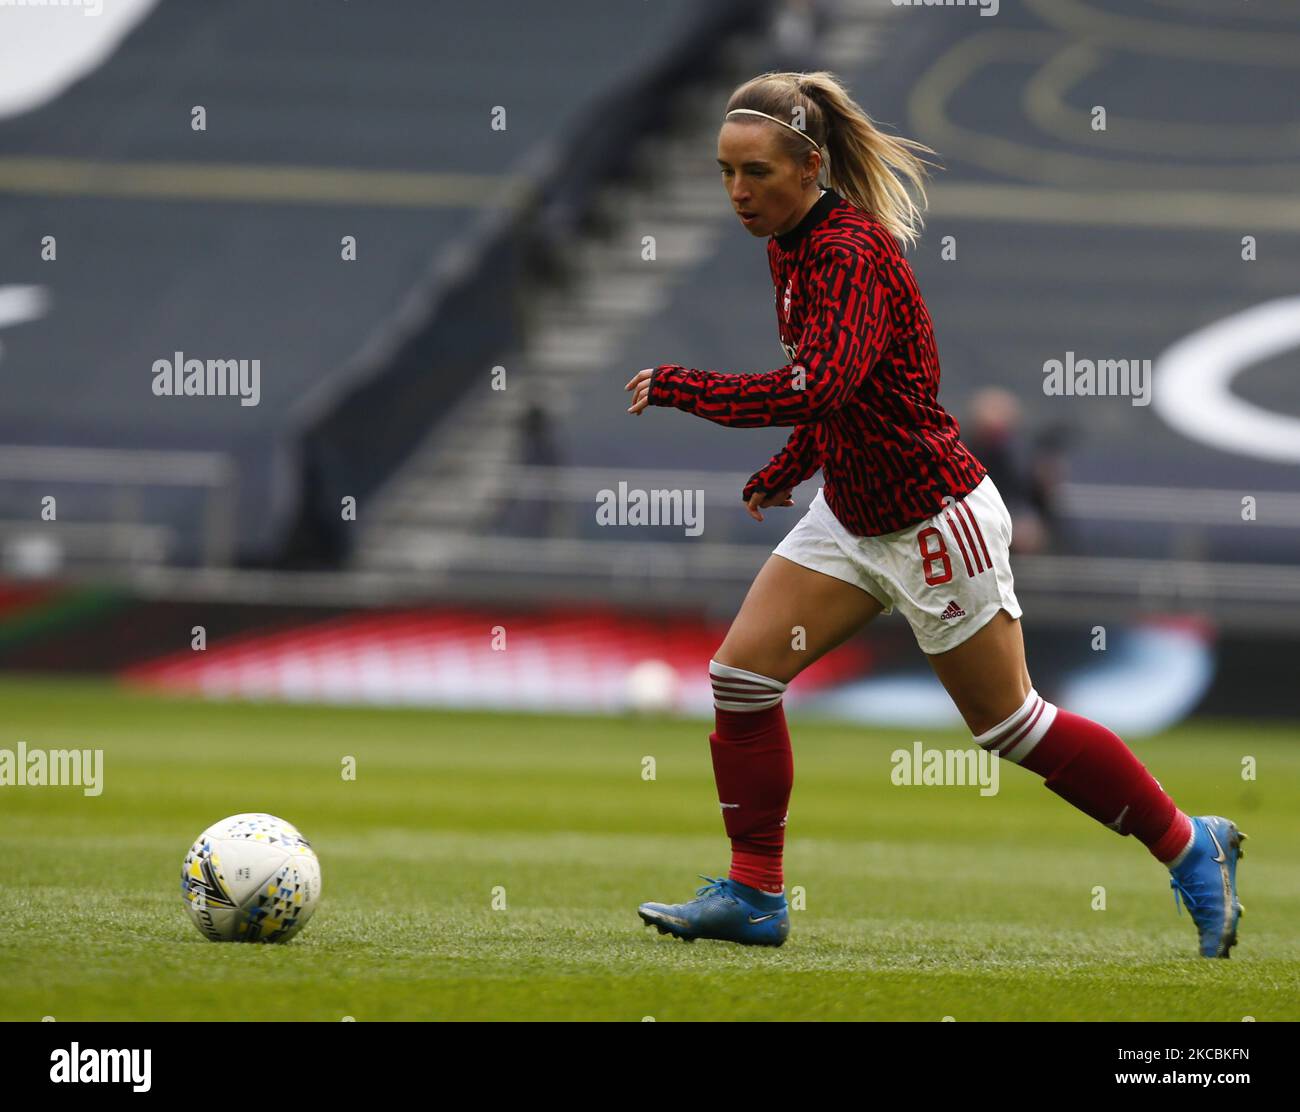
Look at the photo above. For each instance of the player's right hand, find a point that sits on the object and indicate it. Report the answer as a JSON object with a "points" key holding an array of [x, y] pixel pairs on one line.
{"points": [[761, 501]]}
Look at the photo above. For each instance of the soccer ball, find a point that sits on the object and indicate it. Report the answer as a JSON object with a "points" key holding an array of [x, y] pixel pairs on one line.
{"points": [[250, 878], [651, 687]]}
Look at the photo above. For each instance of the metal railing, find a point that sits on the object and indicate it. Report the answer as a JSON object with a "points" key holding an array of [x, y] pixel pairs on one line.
{"points": [[571, 558], [121, 533], [562, 550]]}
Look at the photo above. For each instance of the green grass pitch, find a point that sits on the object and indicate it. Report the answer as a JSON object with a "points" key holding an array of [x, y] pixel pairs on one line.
{"points": [[921, 903]]}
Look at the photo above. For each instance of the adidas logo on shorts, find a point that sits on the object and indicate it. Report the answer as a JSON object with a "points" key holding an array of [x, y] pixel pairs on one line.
{"points": [[952, 611]]}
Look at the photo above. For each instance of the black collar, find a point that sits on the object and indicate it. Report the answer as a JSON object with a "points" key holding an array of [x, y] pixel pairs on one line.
{"points": [[787, 241]]}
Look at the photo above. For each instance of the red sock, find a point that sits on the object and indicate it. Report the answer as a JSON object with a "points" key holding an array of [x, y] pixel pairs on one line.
{"points": [[754, 770], [1091, 768]]}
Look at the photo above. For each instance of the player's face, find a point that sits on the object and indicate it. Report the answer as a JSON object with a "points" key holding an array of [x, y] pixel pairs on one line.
{"points": [[762, 181]]}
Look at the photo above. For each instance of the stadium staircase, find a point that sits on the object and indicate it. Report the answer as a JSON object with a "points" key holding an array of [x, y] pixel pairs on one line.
{"points": [[431, 515]]}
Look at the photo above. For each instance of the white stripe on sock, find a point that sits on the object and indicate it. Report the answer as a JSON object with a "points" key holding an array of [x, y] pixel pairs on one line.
{"points": [[738, 689], [1015, 737]]}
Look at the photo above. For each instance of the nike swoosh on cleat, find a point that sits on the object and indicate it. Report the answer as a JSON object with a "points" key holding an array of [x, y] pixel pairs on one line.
{"points": [[1222, 856], [764, 918]]}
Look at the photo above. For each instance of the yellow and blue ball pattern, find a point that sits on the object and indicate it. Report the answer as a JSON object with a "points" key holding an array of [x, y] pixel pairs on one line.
{"points": [[250, 878]]}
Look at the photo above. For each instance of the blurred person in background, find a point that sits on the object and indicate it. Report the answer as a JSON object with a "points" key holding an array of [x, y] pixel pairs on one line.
{"points": [[1027, 475], [796, 30], [534, 515]]}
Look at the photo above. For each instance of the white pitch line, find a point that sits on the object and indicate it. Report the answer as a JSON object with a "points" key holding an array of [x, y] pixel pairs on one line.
{"points": [[1126, 208], [264, 183]]}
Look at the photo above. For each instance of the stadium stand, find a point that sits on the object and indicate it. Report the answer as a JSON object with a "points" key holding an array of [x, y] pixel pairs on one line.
{"points": [[525, 250], [321, 121], [1114, 267]]}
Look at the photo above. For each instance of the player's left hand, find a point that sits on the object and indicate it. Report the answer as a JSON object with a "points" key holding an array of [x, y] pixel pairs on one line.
{"points": [[640, 387], [761, 500]]}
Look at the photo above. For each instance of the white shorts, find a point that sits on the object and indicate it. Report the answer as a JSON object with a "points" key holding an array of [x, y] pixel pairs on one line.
{"points": [[948, 575]]}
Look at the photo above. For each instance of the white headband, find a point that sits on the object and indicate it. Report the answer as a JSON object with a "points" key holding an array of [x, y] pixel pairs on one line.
{"points": [[755, 112]]}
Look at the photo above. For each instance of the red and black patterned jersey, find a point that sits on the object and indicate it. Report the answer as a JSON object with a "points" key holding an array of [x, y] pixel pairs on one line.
{"points": [[862, 385]]}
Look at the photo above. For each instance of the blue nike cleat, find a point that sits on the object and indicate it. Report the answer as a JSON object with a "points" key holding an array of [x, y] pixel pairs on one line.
{"points": [[1207, 881], [725, 910]]}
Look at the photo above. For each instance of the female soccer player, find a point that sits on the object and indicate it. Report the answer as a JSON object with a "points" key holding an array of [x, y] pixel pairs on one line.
{"points": [[906, 517]]}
